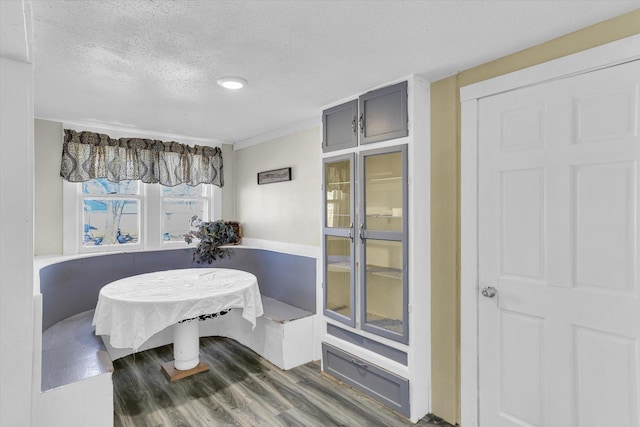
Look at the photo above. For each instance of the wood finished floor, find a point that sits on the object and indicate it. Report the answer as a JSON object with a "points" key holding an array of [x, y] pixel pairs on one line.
{"points": [[240, 389]]}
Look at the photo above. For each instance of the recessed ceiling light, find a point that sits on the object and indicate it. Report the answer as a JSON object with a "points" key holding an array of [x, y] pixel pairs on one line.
{"points": [[232, 82]]}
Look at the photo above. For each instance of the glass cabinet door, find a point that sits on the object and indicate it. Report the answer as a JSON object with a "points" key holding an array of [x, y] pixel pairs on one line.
{"points": [[339, 234], [338, 276], [384, 192], [383, 234], [338, 193]]}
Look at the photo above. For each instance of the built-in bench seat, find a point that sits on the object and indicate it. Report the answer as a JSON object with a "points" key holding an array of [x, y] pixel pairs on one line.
{"points": [[280, 312], [75, 361], [283, 334], [72, 352], [76, 375], [70, 287]]}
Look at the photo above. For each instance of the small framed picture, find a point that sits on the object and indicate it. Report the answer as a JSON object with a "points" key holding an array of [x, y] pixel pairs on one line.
{"points": [[276, 175]]}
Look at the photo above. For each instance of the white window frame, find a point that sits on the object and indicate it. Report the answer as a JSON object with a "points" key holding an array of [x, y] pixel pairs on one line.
{"points": [[150, 224], [139, 196]]}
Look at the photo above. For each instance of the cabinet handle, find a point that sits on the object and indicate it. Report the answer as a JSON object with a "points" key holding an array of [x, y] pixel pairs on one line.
{"points": [[362, 238], [354, 124], [361, 122], [360, 364], [351, 236]]}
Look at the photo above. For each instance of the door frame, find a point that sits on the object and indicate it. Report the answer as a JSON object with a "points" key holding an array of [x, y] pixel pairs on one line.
{"points": [[607, 55]]}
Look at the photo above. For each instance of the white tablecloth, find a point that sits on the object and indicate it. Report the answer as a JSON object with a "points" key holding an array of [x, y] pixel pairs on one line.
{"points": [[133, 309]]}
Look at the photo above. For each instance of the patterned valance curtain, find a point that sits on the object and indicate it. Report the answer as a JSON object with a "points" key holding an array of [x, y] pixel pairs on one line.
{"points": [[89, 155]]}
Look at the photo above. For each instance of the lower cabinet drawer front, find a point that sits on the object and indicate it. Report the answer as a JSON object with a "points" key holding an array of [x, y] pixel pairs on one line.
{"points": [[387, 388]]}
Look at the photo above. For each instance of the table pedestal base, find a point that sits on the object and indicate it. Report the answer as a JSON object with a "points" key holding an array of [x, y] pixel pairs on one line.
{"points": [[186, 344], [186, 352], [173, 374]]}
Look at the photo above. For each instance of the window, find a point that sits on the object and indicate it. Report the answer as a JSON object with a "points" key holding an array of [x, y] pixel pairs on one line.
{"points": [[110, 213], [182, 207], [102, 216]]}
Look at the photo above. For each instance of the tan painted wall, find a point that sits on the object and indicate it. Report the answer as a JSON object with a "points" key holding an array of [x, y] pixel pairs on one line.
{"points": [[285, 211], [229, 189], [445, 194], [445, 233], [48, 188]]}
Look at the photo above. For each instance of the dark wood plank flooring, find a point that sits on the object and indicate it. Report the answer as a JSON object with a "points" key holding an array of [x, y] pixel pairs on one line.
{"points": [[240, 389]]}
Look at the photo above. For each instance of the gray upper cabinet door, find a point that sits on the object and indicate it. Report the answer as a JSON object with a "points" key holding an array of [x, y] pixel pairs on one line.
{"points": [[383, 114], [340, 127]]}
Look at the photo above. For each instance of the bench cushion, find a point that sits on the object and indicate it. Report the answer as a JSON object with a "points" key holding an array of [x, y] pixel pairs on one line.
{"points": [[281, 312], [72, 352]]}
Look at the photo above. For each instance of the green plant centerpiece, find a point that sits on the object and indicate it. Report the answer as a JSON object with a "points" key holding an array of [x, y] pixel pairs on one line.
{"points": [[211, 236]]}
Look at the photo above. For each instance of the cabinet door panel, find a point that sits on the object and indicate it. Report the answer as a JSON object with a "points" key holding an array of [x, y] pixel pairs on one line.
{"points": [[384, 304], [339, 237], [339, 126], [338, 193], [383, 114], [339, 289], [383, 187], [383, 234], [384, 386]]}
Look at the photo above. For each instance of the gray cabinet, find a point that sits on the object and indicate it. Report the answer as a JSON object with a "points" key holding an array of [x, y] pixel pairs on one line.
{"points": [[375, 116], [365, 241], [368, 344], [382, 385], [376, 281], [383, 114], [340, 126]]}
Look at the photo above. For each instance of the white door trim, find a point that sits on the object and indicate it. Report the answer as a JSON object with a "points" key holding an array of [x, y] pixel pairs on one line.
{"points": [[604, 56]]}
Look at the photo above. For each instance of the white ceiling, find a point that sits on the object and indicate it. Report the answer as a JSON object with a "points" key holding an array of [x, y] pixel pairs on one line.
{"points": [[153, 65]]}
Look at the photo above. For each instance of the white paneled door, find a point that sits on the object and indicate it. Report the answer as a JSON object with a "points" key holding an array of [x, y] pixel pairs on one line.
{"points": [[558, 245]]}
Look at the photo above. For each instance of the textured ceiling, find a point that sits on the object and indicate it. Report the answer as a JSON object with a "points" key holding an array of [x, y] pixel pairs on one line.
{"points": [[153, 65]]}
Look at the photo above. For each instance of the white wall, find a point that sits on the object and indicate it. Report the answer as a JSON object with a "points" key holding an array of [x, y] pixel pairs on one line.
{"points": [[79, 404], [16, 243], [48, 188], [288, 211]]}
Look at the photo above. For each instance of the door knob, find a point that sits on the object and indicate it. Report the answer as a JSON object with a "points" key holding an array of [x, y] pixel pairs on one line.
{"points": [[489, 292]]}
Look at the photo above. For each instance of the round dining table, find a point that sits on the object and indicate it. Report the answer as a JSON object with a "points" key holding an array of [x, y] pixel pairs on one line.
{"points": [[131, 310]]}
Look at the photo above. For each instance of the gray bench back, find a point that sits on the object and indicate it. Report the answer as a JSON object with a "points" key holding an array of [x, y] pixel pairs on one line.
{"points": [[71, 287]]}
